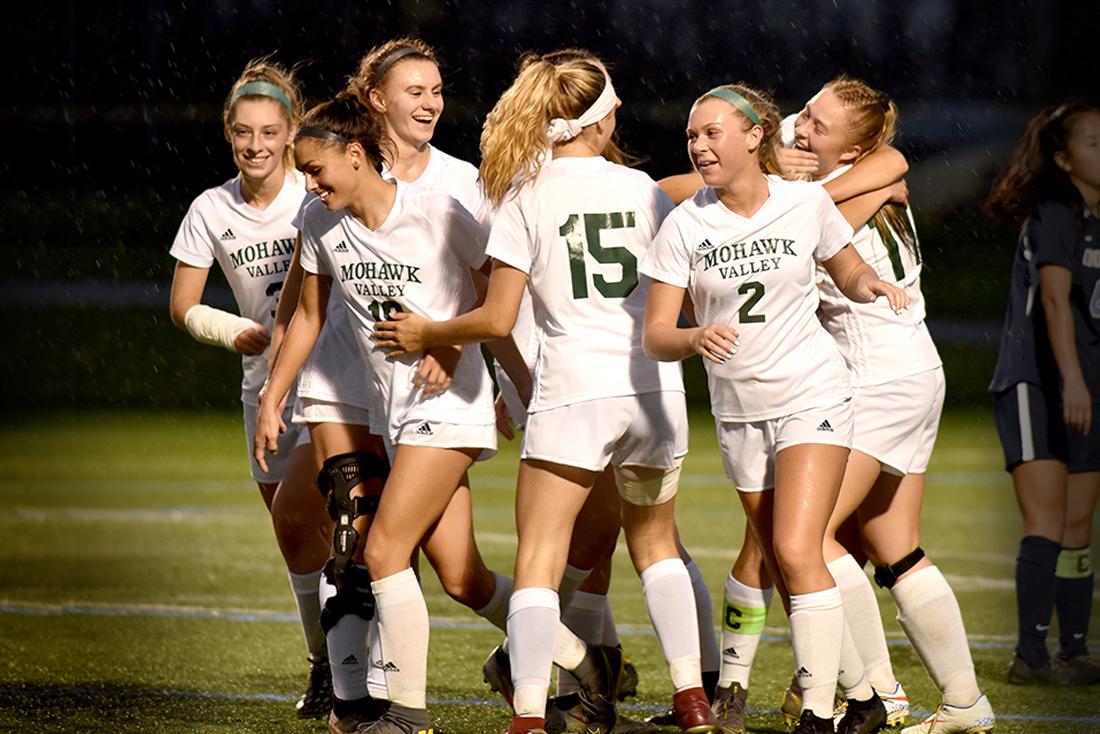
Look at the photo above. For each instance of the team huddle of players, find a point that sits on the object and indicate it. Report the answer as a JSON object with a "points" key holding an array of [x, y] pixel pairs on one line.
{"points": [[790, 265]]}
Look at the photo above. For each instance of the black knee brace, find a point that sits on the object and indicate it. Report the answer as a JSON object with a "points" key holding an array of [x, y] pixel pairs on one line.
{"points": [[339, 475], [353, 595], [887, 576]]}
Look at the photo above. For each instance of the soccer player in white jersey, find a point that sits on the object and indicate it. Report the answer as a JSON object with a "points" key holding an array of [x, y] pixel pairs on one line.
{"points": [[403, 76], [744, 249], [245, 226], [571, 225]]}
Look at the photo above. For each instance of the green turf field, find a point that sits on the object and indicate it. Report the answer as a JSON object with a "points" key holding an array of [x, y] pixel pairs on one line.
{"points": [[141, 589]]}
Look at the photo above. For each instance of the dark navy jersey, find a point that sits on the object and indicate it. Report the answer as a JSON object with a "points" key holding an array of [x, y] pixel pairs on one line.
{"points": [[1051, 236]]}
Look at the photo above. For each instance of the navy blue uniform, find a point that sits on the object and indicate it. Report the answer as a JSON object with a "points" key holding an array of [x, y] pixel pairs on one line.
{"points": [[1027, 383]]}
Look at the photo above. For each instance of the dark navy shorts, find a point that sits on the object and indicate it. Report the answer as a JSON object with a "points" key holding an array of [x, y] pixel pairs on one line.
{"points": [[1029, 420]]}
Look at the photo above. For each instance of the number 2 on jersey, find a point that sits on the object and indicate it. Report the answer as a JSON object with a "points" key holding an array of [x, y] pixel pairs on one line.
{"points": [[743, 314], [581, 237]]}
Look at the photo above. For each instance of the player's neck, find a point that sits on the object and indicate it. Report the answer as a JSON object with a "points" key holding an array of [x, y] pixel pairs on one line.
{"points": [[745, 194], [373, 201], [411, 161], [1090, 195], [258, 193], [579, 147]]}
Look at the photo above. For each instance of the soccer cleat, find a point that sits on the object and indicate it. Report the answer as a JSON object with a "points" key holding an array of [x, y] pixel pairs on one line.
{"points": [[526, 725], [1053, 673], [808, 723], [316, 702], [356, 714], [897, 705], [1083, 670], [791, 706], [400, 720], [976, 718], [863, 717], [497, 672], [729, 709], [565, 715], [628, 679], [598, 685], [692, 709]]}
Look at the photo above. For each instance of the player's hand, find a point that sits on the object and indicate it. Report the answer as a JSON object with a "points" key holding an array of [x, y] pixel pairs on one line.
{"points": [[796, 164], [716, 342], [899, 193], [269, 424], [872, 288], [252, 341], [402, 334], [1077, 405], [504, 418], [435, 373]]}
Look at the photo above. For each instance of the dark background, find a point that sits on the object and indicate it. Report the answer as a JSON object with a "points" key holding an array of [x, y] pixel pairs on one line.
{"points": [[112, 119]]}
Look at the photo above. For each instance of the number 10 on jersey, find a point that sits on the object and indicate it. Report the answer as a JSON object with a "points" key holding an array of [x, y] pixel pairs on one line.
{"points": [[582, 234]]}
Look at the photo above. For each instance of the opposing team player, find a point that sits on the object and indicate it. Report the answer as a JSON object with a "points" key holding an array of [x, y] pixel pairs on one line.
{"points": [[245, 225], [571, 227], [1047, 384], [744, 249]]}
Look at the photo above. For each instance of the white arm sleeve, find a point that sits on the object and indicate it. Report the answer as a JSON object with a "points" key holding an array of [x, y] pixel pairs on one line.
{"points": [[212, 326]]}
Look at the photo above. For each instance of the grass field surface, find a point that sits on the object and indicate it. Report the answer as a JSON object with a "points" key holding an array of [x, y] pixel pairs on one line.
{"points": [[141, 589]]}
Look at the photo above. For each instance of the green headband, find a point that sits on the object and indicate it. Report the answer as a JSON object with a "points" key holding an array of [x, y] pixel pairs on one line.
{"points": [[737, 101], [264, 89]]}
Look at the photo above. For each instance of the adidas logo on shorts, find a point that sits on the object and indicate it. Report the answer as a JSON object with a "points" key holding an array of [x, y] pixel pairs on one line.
{"points": [[342, 247], [825, 426], [228, 235], [425, 430]]}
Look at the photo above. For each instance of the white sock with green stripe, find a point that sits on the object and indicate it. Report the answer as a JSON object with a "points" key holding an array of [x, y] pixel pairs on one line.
{"points": [[743, 616]]}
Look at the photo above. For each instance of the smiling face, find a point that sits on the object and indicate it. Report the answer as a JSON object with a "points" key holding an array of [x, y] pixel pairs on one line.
{"points": [[330, 170], [411, 100], [823, 129], [1081, 156], [259, 132], [721, 143]]}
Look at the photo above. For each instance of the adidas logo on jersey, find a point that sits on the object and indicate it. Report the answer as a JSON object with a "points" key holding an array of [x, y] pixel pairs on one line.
{"points": [[425, 430], [731, 652], [706, 245], [825, 426], [350, 660], [342, 247], [803, 673], [228, 235]]}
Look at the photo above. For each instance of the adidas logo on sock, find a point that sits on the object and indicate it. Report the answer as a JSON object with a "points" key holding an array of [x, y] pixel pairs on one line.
{"points": [[228, 235], [425, 430], [706, 245], [390, 667], [350, 660], [342, 247], [825, 426], [731, 652], [803, 673]]}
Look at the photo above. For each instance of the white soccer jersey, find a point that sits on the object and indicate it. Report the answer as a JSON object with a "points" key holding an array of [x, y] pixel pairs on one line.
{"points": [[578, 231], [418, 260], [253, 248], [758, 275], [878, 344], [334, 372]]}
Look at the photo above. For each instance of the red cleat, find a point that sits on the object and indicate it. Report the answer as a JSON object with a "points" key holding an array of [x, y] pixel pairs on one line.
{"points": [[692, 709]]}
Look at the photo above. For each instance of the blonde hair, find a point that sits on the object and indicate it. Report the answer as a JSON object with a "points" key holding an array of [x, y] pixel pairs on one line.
{"points": [[368, 78], [872, 122], [264, 69], [768, 113], [514, 139]]}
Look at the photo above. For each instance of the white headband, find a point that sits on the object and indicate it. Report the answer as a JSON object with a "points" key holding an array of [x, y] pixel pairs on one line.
{"points": [[561, 130]]}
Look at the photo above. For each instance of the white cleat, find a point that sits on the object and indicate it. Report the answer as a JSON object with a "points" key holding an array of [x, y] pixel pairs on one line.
{"points": [[896, 703], [976, 718]]}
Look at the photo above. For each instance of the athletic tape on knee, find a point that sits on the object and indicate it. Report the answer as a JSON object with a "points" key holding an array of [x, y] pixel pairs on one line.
{"points": [[653, 490], [887, 576], [353, 596], [1074, 563], [743, 620]]}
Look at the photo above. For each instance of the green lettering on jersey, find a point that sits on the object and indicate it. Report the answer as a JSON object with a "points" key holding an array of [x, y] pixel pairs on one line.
{"points": [[581, 238]]}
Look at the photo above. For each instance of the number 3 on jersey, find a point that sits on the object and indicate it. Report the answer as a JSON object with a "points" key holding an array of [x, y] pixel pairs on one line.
{"points": [[582, 233]]}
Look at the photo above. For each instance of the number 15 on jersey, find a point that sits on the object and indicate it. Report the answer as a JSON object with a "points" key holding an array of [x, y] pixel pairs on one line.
{"points": [[582, 234]]}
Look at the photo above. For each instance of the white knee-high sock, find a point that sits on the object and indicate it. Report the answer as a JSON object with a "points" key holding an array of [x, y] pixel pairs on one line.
{"points": [[932, 620], [570, 580], [610, 635], [671, 602], [585, 618], [533, 622], [347, 651], [852, 676], [376, 673], [496, 611], [817, 625], [403, 627], [709, 655], [865, 621], [744, 613], [307, 595]]}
